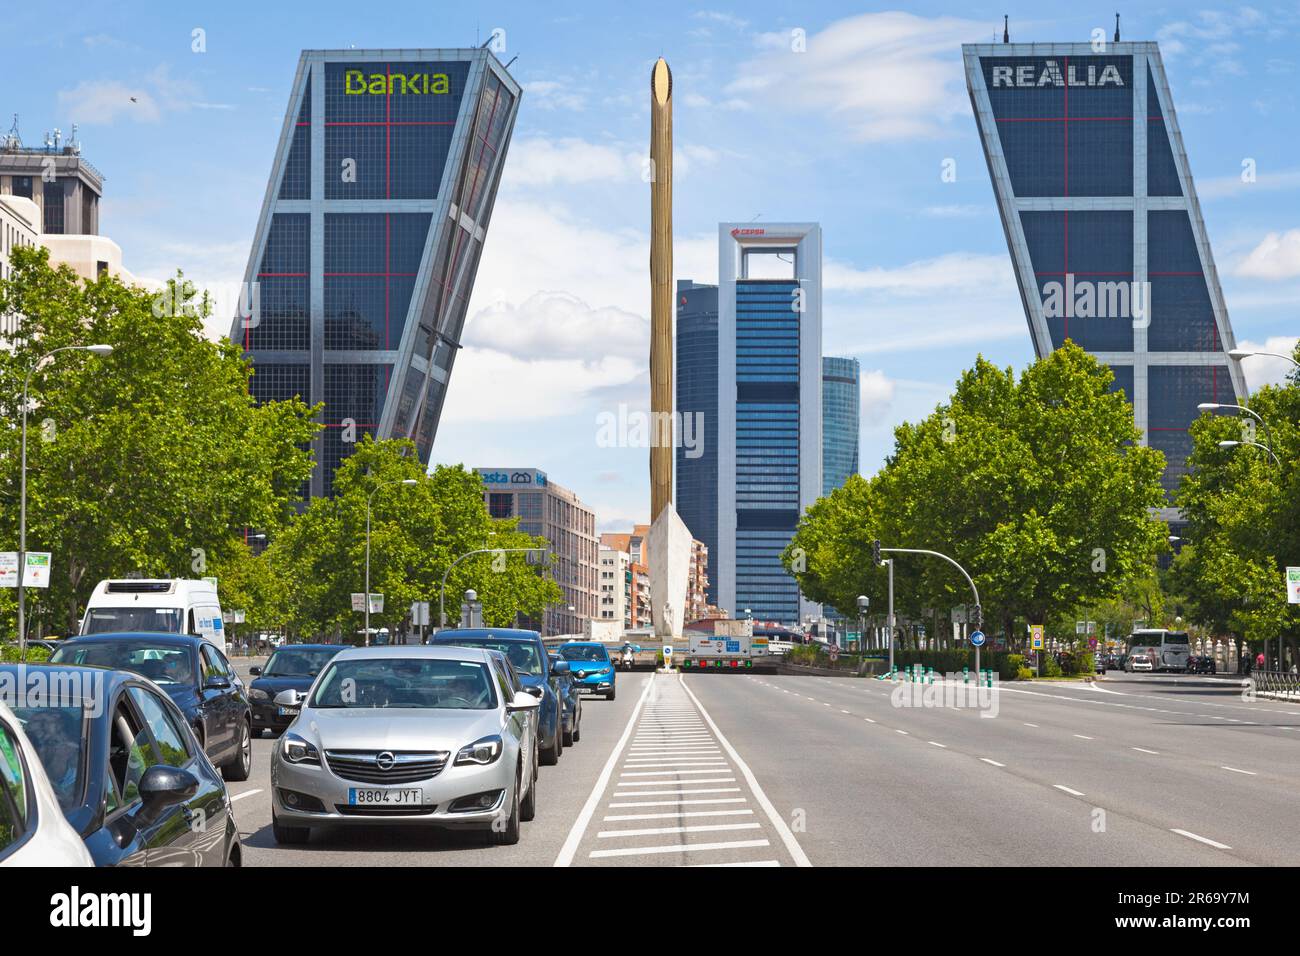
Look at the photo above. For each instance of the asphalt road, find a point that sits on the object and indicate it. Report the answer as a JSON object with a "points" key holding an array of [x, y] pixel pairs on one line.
{"points": [[754, 770]]}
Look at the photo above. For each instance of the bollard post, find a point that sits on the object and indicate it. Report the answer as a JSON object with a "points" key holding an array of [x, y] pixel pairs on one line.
{"points": [[965, 675]]}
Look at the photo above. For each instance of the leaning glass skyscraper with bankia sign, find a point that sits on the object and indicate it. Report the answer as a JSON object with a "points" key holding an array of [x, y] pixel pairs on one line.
{"points": [[369, 238], [1105, 232]]}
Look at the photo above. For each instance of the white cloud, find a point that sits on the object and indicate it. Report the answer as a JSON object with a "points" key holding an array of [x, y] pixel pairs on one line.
{"points": [[539, 161], [1268, 370], [953, 271], [553, 94], [102, 101], [877, 397], [884, 76], [1276, 257], [558, 324], [1220, 187]]}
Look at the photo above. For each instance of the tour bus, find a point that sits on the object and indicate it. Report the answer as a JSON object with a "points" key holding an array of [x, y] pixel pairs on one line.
{"points": [[1168, 650], [155, 605]]}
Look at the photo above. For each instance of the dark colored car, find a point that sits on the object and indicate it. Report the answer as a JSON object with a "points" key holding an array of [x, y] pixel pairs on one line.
{"points": [[592, 670], [291, 667], [129, 774], [541, 678], [570, 700], [197, 677]]}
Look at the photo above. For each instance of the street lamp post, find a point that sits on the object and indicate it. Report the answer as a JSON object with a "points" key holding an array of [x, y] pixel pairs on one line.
{"points": [[863, 602], [979, 611], [540, 553], [1254, 444], [1239, 354], [1216, 406], [369, 500], [22, 493]]}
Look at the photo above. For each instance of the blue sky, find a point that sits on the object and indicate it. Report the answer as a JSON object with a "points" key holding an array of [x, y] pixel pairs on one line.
{"points": [[852, 133]]}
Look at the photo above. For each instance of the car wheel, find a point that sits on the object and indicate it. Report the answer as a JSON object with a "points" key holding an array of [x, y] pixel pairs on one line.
{"points": [[507, 835], [528, 807], [610, 695], [242, 766], [550, 756], [577, 728], [289, 835], [569, 735]]}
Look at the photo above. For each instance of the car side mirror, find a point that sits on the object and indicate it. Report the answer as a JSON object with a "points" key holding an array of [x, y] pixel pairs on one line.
{"points": [[523, 701], [217, 683], [287, 698], [560, 667], [534, 691], [161, 787], [254, 671]]}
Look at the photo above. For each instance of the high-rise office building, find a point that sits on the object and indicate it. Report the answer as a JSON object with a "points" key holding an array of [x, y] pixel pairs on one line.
{"points": [[769, 411], [369, 239], [841, 397], [696, 486], [1104, 228], [569, 526]]}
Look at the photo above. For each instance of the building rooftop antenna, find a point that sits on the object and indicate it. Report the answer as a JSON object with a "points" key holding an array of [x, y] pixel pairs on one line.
{"points": [[1116, 27], [13, 140], [1006, 35]]}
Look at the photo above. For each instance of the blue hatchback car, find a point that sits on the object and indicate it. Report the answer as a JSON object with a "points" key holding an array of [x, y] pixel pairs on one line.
{"points": [[590, 666], [540, 677]]}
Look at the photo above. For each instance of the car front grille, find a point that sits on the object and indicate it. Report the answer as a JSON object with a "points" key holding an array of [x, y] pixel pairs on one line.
{"points": [[407, 766], [350, 811]]}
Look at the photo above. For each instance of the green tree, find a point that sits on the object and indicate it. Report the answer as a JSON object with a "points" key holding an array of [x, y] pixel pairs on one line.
{"points": [[416, 532], [1243, 520], [1037, 486], [147, 460]]}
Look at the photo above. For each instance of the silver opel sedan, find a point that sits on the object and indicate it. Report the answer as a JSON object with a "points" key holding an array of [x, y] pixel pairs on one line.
{"points": [[427, 735]]}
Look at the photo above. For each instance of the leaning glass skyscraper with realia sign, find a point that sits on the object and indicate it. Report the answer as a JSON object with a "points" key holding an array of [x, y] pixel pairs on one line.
{"points": [[369, 238], [1104, 228]]}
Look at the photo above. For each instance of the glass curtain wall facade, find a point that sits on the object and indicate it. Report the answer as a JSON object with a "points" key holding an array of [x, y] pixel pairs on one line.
{"points": [[1104, 228], [375, 215], [696, 484], [841, 400], [770, 410]]}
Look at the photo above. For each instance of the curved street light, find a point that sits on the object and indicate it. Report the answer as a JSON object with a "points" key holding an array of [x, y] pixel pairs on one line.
{"points": [[99, 350], [1234, 444], [1240, 354], [1215, 406], [369, 500]]}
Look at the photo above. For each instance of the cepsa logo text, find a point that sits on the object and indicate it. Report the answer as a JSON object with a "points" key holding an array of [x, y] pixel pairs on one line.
{"points": [[356, 83]]}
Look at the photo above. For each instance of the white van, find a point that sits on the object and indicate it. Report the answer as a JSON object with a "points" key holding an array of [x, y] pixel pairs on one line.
{"points": [[155, 606]]}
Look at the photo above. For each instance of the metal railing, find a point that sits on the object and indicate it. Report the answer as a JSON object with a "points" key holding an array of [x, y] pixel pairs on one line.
{"points": [[1281, 683]]}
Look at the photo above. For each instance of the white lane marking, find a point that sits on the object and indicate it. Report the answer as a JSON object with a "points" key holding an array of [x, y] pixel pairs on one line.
{"points": [[1061, 786], [679, 848], [783, 829], [1145, 751], [675, 803], [670, 773], [588, 810], [1082, 737], [1200, 839], [664, 783], [693, 762], [868, 720], [993, 762], [674, 793], [1027, 724], [935, 743], [672, 751], [1249, 773], [680, 815], [246, 793], [660, 831], [843, 711], [903, 732]]}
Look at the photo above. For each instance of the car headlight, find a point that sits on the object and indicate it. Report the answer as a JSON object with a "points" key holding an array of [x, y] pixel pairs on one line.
{"points": [[299, 750], [480, 752], [606, 670], [256, 693]]}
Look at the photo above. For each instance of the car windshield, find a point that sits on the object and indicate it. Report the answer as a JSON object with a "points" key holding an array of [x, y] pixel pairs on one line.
{"points": [[163, 664], [583, 652], [298, 661], [55, 732], [522, 655], [117, 620], [399, 682]]}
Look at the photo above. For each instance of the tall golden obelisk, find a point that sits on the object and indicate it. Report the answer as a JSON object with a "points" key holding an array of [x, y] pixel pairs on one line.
{"points": [[661, 287], [668, 544]]}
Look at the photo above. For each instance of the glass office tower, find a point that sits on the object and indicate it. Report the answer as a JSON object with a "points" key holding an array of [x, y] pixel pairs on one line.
{"points": [[841, 398], [769, 410], [1104, 228], [370, 234], [696, 485]]}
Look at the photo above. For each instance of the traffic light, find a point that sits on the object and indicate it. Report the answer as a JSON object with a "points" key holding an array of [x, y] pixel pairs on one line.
{"points": [[875, 552], [979, 616]]}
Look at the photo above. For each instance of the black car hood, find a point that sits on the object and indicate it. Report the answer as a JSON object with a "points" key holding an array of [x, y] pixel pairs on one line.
{"points": [[273, 685]]}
